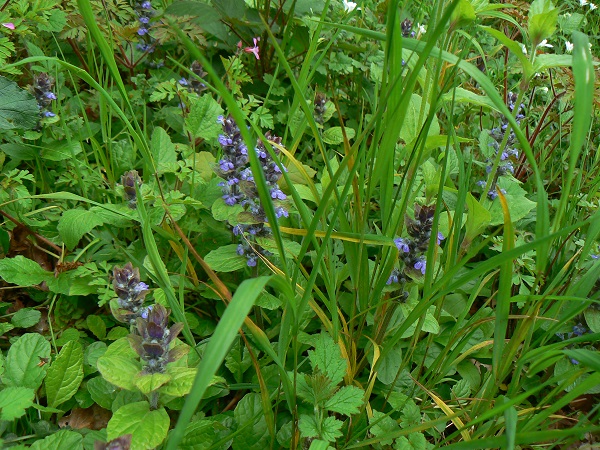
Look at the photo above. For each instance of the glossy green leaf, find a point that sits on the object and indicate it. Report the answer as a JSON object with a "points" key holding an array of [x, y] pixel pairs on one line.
{"points": [[22, 271], [225, 259], [61, 440], [119, 370]]}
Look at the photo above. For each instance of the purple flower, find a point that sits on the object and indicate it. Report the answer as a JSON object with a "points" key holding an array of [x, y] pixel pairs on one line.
{"points": [[421, 265], [394, 277], [481, 183], [281, 212], [252, 261], [183, 82], [49, 114], [146, 5], [50, 95], [402, 245], [278, 194], [440, 238], [144, 20], [142, 31], [230, 199], [226, 165], [579, 330]]}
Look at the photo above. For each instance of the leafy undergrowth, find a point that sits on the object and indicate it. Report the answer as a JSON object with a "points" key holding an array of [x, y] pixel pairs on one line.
{"points": [[303, 225]]}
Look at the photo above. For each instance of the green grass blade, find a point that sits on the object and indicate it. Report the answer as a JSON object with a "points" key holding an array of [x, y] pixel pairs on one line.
{"points": [[216, 350]]}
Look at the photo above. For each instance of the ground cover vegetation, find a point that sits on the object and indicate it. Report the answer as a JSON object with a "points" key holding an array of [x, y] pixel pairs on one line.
{"points": [[303, 224]]}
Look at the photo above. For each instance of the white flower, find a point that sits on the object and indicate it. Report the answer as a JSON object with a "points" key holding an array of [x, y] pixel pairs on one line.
{"points": [[349, 6], [523, 48], [592, 7], [544, 43], [421, 29], [569, 46], [583, 2]]}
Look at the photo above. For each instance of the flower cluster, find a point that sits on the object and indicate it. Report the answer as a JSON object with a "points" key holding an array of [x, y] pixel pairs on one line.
{"points": [[239, 186], [154, 338], [413, 248], [320, 102], [42, 91], [145, 12], [193, 83], [131, 292], [509, 153], [130, 180]]}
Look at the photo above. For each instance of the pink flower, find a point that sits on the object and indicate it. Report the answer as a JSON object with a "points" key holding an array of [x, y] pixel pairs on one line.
{"points": [[9, 25], [254, 49]]}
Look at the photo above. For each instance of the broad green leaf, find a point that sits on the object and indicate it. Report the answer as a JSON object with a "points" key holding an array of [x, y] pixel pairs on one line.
{"points": [[22, 271], [55, 21], [200, 434], [182, 379], [64, 374], [206, 15], [163, 151], [26, 317], [346, 401], [478, 218], [415, 119], [92, 353], [147, 383], [18, 108], [223, 212], [74, 223], [61, 440], [148, 428], [518, 204], [592, 318], [202, 121], [96, 326], [543, 17], [463, 14], [102, 392], [203, 163], [119, 370], [14, 401], [308, 426], [250, 420], [61, 150], [23, 359], [225, 259], [327, 357], [335, 136]]}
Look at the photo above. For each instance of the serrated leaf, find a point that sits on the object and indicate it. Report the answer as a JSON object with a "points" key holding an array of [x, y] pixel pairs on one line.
{"points": [[163, 151], [18, 108], [225, 259], [414, 441], [22, 361], [22, 271], [96, 326], [55, 21], [74, 223], [148, 428], [65, 374], [331, 429], [383, 425], [334, 135], [26, 317], [308, 426], [14, 401], [147, 383], [346, 401], [200, 434], [202, 121], [61, 440], [327, 357], [119, 370]]}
